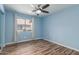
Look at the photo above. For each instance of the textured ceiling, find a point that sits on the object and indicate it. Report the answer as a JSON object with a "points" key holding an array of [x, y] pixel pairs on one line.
{"points": [[27, 8]]}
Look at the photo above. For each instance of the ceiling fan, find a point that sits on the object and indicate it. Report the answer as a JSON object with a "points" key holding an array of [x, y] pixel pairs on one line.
{"points": [[40, 9]]}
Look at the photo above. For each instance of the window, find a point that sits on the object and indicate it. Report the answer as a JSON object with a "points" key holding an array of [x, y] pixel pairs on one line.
{"points": [[24, 25]]}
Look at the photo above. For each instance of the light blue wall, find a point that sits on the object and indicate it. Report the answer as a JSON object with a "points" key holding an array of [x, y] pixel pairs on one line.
{"points": [[38, 28], [9, 21], [9, 27], [2, 26], [63, 27], [2, 20]]}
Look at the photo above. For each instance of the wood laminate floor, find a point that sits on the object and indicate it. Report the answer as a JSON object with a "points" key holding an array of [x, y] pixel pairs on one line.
{"points": [[37, 47]]}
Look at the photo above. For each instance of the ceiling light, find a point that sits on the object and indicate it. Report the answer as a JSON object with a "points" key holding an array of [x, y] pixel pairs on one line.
{"points": [[38, 11]]}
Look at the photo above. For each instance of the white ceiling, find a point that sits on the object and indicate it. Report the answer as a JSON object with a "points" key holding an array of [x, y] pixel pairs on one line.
{"points": [[27, 8]]}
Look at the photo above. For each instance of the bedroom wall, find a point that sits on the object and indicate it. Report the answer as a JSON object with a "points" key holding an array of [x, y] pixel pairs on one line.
{"points": [[38, 28], [0, 29], [63, 27], [2, 26], [9, 24]]}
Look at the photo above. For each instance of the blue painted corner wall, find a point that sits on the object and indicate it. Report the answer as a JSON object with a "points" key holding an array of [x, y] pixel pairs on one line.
{"points": [[10, 17], [63, 27], [7, 24], [2, 26]]}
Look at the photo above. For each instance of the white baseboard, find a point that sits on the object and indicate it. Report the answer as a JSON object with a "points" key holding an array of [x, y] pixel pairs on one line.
{"points": [[63, 45], [19, 41]]}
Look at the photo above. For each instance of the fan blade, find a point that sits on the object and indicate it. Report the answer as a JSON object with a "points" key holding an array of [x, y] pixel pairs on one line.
{"points": [[44, 11], [45, 6], [34, 10], [39, 5]]}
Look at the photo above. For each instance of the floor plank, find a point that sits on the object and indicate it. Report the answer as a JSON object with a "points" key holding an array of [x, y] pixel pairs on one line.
{"points": [[37, 47]]}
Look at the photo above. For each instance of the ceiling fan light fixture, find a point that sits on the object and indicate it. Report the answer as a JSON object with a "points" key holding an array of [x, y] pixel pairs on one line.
{"points": [[38, 11]]}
